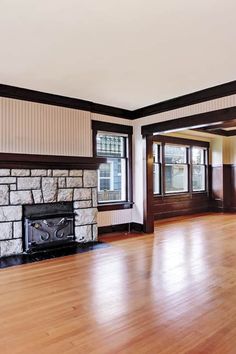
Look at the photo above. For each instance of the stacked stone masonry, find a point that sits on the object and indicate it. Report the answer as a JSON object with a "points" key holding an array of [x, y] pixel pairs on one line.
{"points": [[19, 187]]}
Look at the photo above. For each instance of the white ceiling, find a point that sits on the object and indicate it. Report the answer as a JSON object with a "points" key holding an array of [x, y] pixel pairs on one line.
{"points": [[126, 53]]}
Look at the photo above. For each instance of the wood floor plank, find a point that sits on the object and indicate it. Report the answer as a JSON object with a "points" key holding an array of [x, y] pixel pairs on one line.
{"points": [[166, 293]]}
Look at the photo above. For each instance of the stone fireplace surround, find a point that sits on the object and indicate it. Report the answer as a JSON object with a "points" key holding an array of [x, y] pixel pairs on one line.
{"points": [[25, 186]]}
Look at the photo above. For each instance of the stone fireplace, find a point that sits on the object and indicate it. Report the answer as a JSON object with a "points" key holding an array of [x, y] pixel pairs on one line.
{"points": [[23, 187]]}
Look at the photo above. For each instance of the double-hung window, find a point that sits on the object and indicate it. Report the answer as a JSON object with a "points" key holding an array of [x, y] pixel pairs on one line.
{"points": [[176, 168], [114, 142], [112, 175]]}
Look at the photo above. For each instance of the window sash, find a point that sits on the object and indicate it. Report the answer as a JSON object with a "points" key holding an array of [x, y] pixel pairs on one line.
{"points": [[118, 187], [185, 188]]}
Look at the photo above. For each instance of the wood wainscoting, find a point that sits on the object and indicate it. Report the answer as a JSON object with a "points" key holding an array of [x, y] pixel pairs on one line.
{"points": [[223, 188], [180, 204]]}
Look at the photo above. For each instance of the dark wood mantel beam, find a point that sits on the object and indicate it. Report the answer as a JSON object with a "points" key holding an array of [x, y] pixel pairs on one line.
{"points": [[13, 160]]}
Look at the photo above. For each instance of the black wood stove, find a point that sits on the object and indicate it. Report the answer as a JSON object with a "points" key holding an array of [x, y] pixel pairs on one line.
{"points": [[48, 225]]}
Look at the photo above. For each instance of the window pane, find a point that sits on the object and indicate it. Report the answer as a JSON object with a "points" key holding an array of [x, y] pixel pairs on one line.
{"points": [[105, 170], [109, 145], [198, 178], [112, 181], [156, 179], [198, 155], [175, 154], [156, 153], [176, 178]]}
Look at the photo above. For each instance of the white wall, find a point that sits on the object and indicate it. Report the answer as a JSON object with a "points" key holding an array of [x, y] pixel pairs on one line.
{"points": [[35, 128]]}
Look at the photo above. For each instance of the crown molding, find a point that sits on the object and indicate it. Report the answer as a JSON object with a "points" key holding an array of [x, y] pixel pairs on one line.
{"points": [[208, 94]]}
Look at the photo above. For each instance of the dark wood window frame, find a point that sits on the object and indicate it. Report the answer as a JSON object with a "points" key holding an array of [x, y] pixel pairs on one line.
{"points": [[149, 197], [98, 126], [190, 143]]}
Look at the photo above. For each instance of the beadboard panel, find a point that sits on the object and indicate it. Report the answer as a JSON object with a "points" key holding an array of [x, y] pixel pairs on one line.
{"points": [[33, 128], [108, 218]]}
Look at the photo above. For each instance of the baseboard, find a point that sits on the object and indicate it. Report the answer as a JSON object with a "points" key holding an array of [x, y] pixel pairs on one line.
{"points": [[133, 226]]}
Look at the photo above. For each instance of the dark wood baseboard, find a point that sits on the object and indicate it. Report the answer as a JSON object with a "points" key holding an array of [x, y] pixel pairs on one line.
{"points": [[133, 226]]}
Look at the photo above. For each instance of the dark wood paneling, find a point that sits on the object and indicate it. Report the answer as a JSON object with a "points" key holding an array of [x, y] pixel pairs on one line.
{"points": [[189, 99], [49, 161], [233, 187], [217, 193], [201, 119], [181, 204], [224, 187]]}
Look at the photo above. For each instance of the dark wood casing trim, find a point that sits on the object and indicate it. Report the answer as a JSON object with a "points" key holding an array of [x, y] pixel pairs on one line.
{"points": [[110, 127], [121, 129], [10, 160], [148, 185], [177, 140]]}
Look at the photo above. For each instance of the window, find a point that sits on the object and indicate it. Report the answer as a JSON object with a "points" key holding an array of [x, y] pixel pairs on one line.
{"points": [[176, 169], [156, 169], [199, 161], [114, 175], [179, 168]]}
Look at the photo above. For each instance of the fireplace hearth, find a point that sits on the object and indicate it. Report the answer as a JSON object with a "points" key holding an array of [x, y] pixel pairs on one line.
{"points": [[48, 225]]}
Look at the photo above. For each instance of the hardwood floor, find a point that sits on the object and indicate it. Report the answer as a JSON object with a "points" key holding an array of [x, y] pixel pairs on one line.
{"points": [[171, 292]]}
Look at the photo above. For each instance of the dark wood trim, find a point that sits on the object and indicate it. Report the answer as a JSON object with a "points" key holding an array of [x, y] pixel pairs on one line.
{"points": [[208, 94], [115, 206], [121, 129], [148, 186], [177, 140], [201, 119], [24, 94], [8, 160], [110, 127], [221, 132], [128, 227]]}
